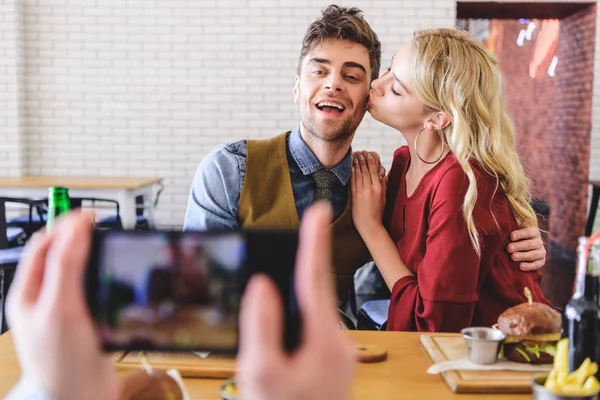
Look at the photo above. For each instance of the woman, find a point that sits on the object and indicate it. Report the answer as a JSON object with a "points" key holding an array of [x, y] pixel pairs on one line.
{"points": [[454, 193]]}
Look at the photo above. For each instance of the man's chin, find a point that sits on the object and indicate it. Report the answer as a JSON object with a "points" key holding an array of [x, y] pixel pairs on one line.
{"points": [[333, 135]]}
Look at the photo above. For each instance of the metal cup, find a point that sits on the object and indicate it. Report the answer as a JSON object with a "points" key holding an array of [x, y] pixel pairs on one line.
{"points": [[483, 344], [541, 393]]}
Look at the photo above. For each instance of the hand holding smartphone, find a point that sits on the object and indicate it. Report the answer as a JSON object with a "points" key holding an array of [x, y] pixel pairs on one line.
{"points": [[181, 291]]}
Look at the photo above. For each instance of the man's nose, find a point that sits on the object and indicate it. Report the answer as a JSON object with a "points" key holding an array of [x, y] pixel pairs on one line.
{"points": [[334, 82]]}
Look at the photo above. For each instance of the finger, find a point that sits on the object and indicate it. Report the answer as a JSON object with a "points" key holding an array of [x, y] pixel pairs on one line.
{"points": [[359, 178], [385, 185], [353, 182], [67, 259], [30, 272], [529, 256], [525, 233], [525, 245], [373, 170], [375, 156], [261, 322], [314, 283], [364, 171], [531, 266], [381, 171]]}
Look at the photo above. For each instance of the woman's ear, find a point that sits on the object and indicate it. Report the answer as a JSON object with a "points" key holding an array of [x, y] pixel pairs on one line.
{"points": [[443, 119]]}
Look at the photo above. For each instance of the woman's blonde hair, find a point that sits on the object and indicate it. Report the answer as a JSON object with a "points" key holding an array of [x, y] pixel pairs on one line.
{"points": [[454, 72]]}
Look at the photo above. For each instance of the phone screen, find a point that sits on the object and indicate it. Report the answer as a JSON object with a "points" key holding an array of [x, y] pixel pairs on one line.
{"points": [[179, 291]]}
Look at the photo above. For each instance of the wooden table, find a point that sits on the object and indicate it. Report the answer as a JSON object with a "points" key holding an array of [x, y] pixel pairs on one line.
{"points": [[123, 190], [402, 376]]}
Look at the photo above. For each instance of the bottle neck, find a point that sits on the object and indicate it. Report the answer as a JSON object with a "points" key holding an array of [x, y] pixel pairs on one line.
{"points": [[588, 272]]}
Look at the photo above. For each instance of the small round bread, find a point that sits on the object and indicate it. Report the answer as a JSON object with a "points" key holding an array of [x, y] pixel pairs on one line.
{"points": [[529, 319], [370, 353], [139, 385]]}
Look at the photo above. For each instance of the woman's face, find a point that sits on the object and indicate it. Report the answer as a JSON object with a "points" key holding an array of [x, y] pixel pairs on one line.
{"points": [[392, 98]]}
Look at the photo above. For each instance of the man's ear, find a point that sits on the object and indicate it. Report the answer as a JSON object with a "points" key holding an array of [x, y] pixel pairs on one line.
{"points": [[296, 90]]}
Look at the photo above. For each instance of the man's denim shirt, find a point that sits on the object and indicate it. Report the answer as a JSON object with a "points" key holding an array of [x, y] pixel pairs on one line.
{"points": [[217, 185]]}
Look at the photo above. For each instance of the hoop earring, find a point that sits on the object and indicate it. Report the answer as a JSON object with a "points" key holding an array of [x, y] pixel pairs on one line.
{"points": [[441, 154]]}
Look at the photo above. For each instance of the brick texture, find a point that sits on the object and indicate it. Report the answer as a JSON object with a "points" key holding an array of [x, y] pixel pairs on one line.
{"points": [[11, 149], [553, 116], [148, 88]]}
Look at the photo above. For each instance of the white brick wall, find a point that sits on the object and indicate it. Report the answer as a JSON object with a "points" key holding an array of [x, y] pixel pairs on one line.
{"points": [[149, 87], [10, 138]]}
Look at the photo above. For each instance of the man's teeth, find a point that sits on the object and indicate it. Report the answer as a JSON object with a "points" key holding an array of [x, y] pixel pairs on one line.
{"points": [[327, 104]]}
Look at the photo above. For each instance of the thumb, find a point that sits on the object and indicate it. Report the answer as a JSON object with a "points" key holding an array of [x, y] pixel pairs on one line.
{"points": [[261, 323], [67, 259], [314, 283]]}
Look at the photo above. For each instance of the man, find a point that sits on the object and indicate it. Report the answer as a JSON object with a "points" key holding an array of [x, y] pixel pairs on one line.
{"points": [[58, 345], [270, 183]]}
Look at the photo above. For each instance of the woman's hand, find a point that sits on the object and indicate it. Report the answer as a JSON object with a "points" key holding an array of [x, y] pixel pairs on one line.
{"points": [[368, 193], [380, 168]]}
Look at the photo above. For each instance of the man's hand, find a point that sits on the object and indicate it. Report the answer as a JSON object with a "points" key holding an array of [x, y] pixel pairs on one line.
{"points": [[527, 248], [54, 336], [323, 365]]}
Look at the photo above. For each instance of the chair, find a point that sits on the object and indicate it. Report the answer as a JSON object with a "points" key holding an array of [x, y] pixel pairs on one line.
{"points": [[113, 222], [38, 221], [141, 222], [12, 239], [9, 258], [373, 315], [17, 233]]}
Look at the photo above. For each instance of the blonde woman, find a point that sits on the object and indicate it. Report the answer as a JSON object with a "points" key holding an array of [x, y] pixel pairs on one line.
{"points": [[454, 193]]}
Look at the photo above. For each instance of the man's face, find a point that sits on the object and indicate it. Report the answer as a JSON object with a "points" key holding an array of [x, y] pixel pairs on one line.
{"points": [[332, 90]]}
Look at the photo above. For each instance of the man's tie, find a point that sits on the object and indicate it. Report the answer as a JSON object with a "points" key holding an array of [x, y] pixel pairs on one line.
{"points": [[324, 181]]}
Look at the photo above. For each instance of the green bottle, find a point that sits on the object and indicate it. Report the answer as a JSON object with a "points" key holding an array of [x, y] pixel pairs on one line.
{"points": [[58, 203]]}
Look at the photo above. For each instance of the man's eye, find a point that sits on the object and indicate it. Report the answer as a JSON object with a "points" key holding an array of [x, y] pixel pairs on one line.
{"points": [[352, 77], [317, 72]]}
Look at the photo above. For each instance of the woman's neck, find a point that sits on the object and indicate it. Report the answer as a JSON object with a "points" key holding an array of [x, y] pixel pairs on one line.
{"points": [[430, 149]]}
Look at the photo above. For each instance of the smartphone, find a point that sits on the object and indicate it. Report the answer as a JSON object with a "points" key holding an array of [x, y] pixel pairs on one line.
{"points": [[182, 291]]}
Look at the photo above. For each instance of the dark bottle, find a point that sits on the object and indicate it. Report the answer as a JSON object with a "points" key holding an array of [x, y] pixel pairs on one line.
{"points": [[582, 313], [58, 203]]}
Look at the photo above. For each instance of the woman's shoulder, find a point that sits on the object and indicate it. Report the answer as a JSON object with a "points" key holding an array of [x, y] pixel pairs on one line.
{"points": [[401, 157], [453, 170], [450, 178], [402, 152]]}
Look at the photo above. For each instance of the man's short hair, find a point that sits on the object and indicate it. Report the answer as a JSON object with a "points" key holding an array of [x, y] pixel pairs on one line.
{"points": [[347, 24]]}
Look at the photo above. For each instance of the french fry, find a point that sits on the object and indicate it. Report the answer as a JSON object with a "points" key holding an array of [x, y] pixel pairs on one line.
{"points": [[578, 376], [561, 359], [580, 382], [591, 385], [593, 369], [570, 389], [551, 380]]}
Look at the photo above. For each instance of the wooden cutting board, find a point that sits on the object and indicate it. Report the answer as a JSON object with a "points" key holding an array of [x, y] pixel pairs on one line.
{"points": [[452, 347], [190, 365]]}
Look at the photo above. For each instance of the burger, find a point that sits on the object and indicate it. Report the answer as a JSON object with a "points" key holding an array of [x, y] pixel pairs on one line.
{"points": [[532, 331]]}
